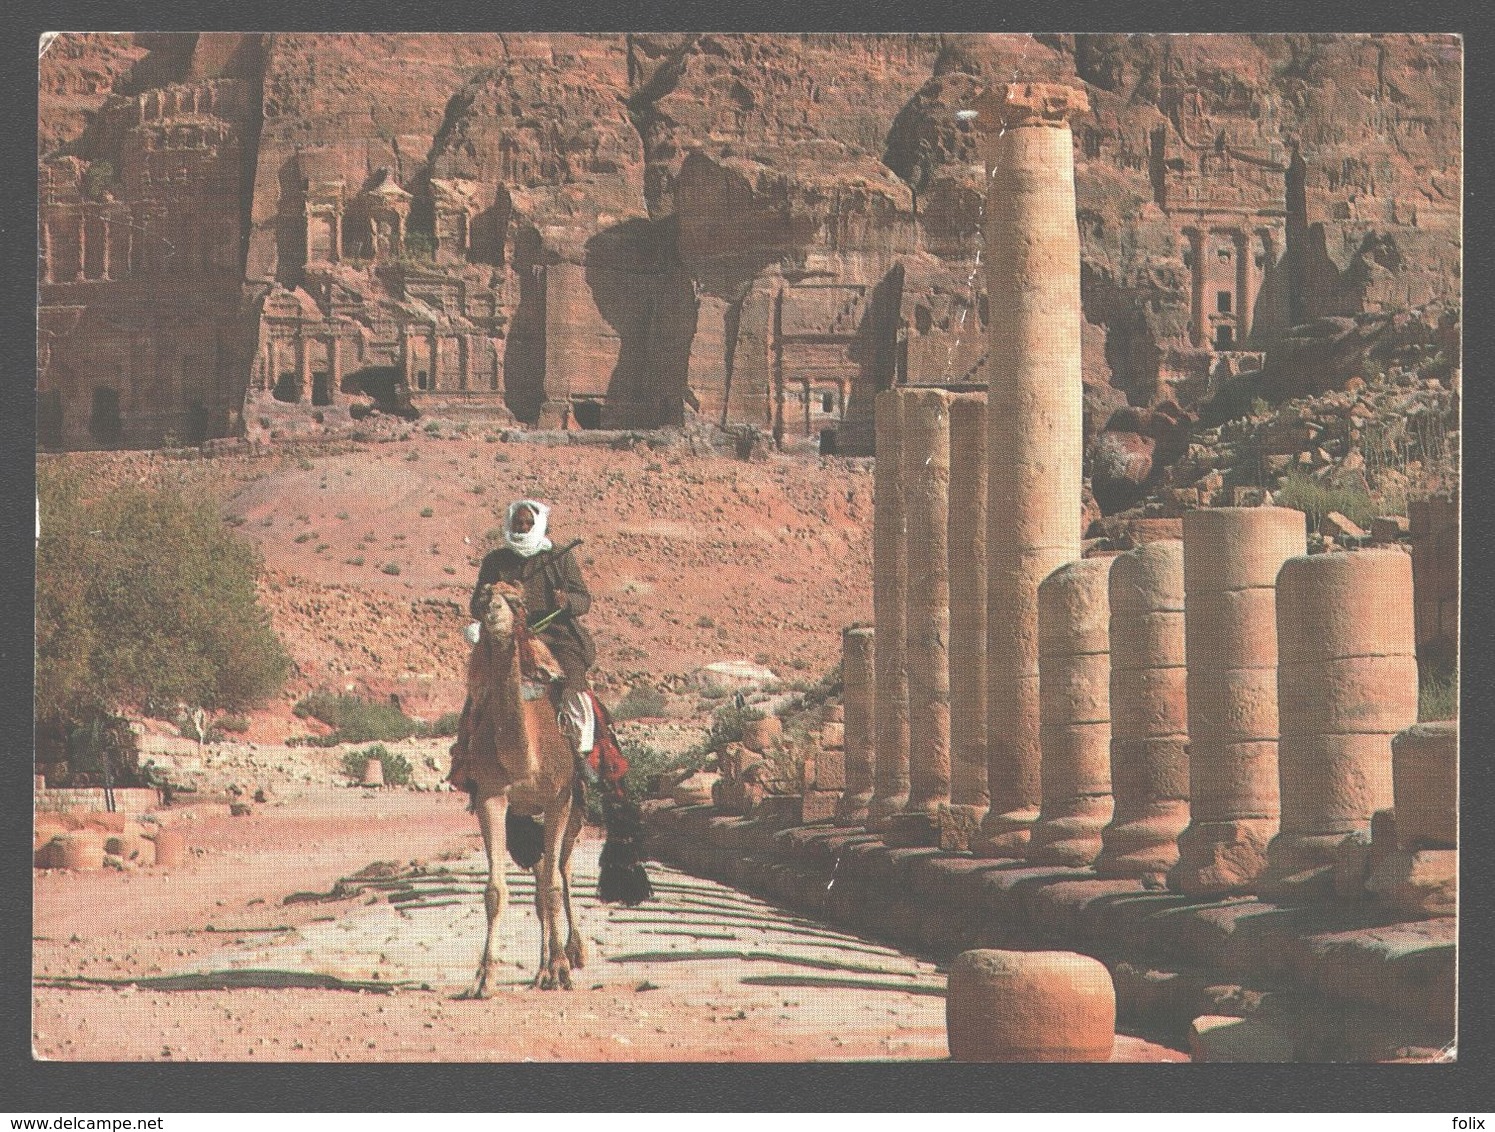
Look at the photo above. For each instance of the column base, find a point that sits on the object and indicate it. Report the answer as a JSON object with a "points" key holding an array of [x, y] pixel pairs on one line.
{"points": [[948, 828], [1144, 844], [1421, 884], [1004, 836], [852, 809], [1070, 833], [1301, 867], [1221, 858], [880, 809]]}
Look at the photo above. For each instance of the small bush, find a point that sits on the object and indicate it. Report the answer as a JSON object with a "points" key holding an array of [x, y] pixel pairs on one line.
{"points": [[1316, 499], [233, 724], [356, 560], [446, 724], [1438, 698], [727, 724], [396, 766], [641, 702], [354, 719], [390, 568], [304, 536], [427, 513], [432, 428]]}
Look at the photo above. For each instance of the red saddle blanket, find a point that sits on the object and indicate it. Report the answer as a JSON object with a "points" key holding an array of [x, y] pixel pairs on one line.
{"points": [[606, 756]]}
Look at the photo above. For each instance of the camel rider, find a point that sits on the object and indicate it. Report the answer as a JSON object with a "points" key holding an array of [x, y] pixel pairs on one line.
{"points": [[550, 582]]}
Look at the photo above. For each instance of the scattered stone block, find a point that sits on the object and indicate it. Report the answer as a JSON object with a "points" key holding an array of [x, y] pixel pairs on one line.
{"points": [[1389, 528], [695, 790], [80, 849], [1030, 1006], [1218, 1038]]}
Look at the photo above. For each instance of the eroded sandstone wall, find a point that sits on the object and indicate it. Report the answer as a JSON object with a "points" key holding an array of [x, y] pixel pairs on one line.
{"points": [[769, 228]]}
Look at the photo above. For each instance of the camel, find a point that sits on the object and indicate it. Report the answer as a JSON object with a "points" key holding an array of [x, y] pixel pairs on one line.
{"points": [[519, 766]]}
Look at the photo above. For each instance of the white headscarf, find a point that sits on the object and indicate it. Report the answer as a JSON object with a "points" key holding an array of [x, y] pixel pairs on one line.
{"points": [[532, 541]]}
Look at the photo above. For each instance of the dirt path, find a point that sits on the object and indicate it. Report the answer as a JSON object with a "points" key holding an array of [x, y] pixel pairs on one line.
{"points": [[207, 961]]}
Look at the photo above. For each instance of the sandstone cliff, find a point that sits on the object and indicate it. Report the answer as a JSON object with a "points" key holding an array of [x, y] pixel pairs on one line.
{"points": [[757, 229]]}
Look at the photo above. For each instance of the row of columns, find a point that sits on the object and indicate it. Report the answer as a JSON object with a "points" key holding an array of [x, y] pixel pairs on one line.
{"points": [[1164, 673], [1165, 762]]}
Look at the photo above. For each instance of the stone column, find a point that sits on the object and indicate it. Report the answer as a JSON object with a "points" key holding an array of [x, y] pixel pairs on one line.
{"points": [[104, 249], [272, 371], [1149, 713], [926, 501], [858, 680], [1034, 422], [334, 369], [927, 819], [1346, 684], [1245, 268], [889, 608], [1074, 697], [1231, 559], [303, 364], [46, 252], [968, 460], [1198, 329], [82, 246]]}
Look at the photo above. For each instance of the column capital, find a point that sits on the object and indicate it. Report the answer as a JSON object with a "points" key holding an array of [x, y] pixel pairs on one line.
{"points": [[1010, 106]]}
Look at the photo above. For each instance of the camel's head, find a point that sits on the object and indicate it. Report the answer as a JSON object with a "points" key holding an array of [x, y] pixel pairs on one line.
{"points": [[505, 610]]}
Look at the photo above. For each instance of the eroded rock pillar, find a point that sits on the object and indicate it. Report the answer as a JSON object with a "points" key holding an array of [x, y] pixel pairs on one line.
{"points": [[1034, 422], [858, 679], [1074, 697], [1149, 713], [968, 460], [889, 611], [1231, 559], [1346, 685], [1030, 1006]]}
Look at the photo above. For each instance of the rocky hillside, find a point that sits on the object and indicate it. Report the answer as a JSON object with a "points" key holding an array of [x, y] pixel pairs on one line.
{"points": [[610, 220]]}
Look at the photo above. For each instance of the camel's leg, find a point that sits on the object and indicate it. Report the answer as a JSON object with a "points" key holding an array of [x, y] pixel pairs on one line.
{"points": [[557, 970], [492, 812], [576, 951], [540, 919]]}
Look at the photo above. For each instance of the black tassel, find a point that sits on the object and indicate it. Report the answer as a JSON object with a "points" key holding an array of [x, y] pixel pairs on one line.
{"points": [[526, 839], [621, 878]]}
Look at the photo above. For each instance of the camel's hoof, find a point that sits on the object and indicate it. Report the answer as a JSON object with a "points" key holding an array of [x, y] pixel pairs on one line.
{"points": [[555, 977], [576, 953], [485, 983]]}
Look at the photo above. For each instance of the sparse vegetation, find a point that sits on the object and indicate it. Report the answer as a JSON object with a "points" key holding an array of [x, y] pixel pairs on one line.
{"points": [[354, 719], [641, 702], [1315, 498], [390, 568], [1438, 698], [396, 766]]}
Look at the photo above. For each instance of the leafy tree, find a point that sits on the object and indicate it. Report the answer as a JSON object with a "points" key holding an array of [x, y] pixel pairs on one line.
{"points": [[144, 597]]}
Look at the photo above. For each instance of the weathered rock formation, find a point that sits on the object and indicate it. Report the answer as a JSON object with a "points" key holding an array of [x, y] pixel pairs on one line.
{"points": [[758, 229]]}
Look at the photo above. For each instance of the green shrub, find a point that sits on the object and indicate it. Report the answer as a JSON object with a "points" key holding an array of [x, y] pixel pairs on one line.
{"points": [[641, 702], [396, 766], [446, 724], [144, 595], [354, 719], [1316, 499], [233, 724], [427, 512], [727, 724], [1438, 698], [391, 568]]}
